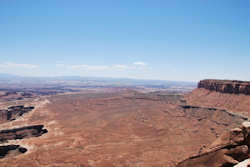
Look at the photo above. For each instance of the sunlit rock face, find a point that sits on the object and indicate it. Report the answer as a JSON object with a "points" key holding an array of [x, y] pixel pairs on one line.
{"points": [[226, 86], [230, 149], [245, 163]]}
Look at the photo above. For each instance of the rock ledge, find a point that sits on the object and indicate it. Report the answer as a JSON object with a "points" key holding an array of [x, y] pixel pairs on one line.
{"points": [[226, 86], [229, 150]]}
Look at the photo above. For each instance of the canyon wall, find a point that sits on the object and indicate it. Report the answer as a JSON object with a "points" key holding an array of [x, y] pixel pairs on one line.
{"points": [[226, 86], [23, 132], [13, 112]]}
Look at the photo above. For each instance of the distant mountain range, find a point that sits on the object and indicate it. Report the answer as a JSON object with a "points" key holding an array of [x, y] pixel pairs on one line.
{"points": [[9, 78]]}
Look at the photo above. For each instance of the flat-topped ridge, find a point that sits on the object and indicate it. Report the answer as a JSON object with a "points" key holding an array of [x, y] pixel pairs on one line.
{"points": [[226, 86]]}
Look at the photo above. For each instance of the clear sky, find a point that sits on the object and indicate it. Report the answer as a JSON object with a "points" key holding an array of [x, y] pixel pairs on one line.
{"points": [[184, 40]]}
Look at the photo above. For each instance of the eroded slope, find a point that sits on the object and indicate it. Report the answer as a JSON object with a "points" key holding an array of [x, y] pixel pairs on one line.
{"points": [[236, 103], [121, 129]]}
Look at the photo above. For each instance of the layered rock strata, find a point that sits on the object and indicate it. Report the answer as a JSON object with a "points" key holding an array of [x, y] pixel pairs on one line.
{"points": [[226, 86]]}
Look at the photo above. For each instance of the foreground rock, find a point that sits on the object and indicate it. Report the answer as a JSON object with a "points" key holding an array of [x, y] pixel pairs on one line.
{"points": [[227, 151], [245, 163], [226, 86]]}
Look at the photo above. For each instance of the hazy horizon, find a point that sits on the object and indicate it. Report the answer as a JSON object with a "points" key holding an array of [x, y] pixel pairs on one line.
{"points": [[157, 40]]}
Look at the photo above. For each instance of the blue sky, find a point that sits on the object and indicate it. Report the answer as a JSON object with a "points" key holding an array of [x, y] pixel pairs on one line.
{"points": [[185, 40]]}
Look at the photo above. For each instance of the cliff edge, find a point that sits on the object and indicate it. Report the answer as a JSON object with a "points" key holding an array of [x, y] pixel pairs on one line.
{"points": [[226, 86], [231, 149], [233, 96]]}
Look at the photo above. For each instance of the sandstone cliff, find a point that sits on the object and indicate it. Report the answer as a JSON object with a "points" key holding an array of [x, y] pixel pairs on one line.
{"points": [[212, 93], [229, 150], [226, 86]]}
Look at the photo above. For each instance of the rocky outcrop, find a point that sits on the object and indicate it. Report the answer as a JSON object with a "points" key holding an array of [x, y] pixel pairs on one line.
{"points": [[13, 113], [230, 149], [245, 163], [24, 132], [226, 86]]}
